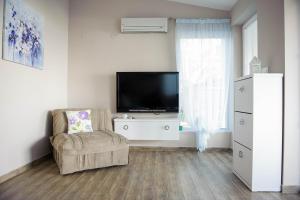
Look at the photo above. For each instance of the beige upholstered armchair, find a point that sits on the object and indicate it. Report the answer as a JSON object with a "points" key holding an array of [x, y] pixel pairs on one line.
{"points": [[81, 151]]}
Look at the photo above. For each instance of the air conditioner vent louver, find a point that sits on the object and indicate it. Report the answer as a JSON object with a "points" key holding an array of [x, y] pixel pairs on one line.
{"points": [[144, 25]]}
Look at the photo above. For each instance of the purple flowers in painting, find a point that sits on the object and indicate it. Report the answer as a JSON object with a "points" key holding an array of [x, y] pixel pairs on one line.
{"points": [[22, 41]]}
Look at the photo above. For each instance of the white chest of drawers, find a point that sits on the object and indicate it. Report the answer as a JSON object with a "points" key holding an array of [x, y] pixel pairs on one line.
{"points": [[148, 128], [257, 136]]}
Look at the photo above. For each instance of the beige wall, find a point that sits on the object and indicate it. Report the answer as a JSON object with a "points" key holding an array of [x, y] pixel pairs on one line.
{"points": [[237, 51], [242, 11], [291, 167], [270, 27], [270, 24], [28, 94], [97, 49]]}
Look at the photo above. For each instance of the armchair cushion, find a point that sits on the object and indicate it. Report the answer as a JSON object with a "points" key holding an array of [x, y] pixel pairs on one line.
{"points": [[88, 143]]}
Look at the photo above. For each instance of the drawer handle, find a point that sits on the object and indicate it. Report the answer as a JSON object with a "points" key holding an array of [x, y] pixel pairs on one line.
{"points": [[125, 127], [167, 127], [241, 89], [241, 154], [242, 122]]}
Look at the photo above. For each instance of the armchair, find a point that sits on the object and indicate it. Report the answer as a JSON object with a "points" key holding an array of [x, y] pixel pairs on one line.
{"points": [[82, 151]]}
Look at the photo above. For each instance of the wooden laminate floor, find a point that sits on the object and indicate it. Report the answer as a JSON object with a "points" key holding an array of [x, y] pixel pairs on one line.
{"points": [[150, 175]]}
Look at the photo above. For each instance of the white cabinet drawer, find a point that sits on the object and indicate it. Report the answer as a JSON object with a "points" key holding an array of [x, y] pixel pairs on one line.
{"points": [[243, 129], [243, 95], [148, 130], [242, 162]]}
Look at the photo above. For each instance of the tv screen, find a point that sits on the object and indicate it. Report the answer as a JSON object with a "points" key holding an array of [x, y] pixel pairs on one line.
{"points": [[147, 92]]}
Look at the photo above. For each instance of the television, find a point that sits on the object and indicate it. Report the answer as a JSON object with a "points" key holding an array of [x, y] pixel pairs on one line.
{"points": [[154, 92]]}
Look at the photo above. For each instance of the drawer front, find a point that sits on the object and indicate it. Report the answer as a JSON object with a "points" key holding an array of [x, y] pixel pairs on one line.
{"points": [[243, 129], [243, 95], [242, 162], [148, 130]]}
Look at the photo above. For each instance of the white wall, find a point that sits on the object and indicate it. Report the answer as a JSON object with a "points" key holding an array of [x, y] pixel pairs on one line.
{"points": [[291, 163], [28, 94], [97, 50]]}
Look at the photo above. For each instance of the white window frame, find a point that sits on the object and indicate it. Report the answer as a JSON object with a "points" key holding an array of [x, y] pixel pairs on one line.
{"points": [[254, 47]]}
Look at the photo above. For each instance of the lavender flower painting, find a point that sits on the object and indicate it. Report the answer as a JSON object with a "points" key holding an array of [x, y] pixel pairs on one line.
{"points": [[22, 39]]}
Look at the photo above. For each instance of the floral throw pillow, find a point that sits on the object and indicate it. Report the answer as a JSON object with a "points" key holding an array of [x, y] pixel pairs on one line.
{"points": [[79, 121]]}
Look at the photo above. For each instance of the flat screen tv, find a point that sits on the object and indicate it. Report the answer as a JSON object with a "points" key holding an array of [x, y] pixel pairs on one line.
{"points": [[154, 92]]}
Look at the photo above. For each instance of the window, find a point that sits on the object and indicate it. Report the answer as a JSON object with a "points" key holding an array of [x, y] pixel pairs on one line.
{"points": [[204, 61], [207, 77], [249, 43]]}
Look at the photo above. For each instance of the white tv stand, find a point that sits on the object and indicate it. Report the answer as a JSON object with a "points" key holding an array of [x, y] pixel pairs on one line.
{"points": [[148, 128]]}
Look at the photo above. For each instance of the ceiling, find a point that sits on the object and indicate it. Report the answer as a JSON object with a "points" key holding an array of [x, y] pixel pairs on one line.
{"points": [[216, 4]]}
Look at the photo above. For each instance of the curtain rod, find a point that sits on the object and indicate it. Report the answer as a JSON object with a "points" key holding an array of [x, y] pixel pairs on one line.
{"points": [[202, 20]]}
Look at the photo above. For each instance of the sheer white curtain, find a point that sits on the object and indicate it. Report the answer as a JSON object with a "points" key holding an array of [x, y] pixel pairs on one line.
{"points": [[204, 61]]}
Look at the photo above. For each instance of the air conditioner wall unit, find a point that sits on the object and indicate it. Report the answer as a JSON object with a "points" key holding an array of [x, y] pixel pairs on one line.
{"points": [[144, 25]]}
